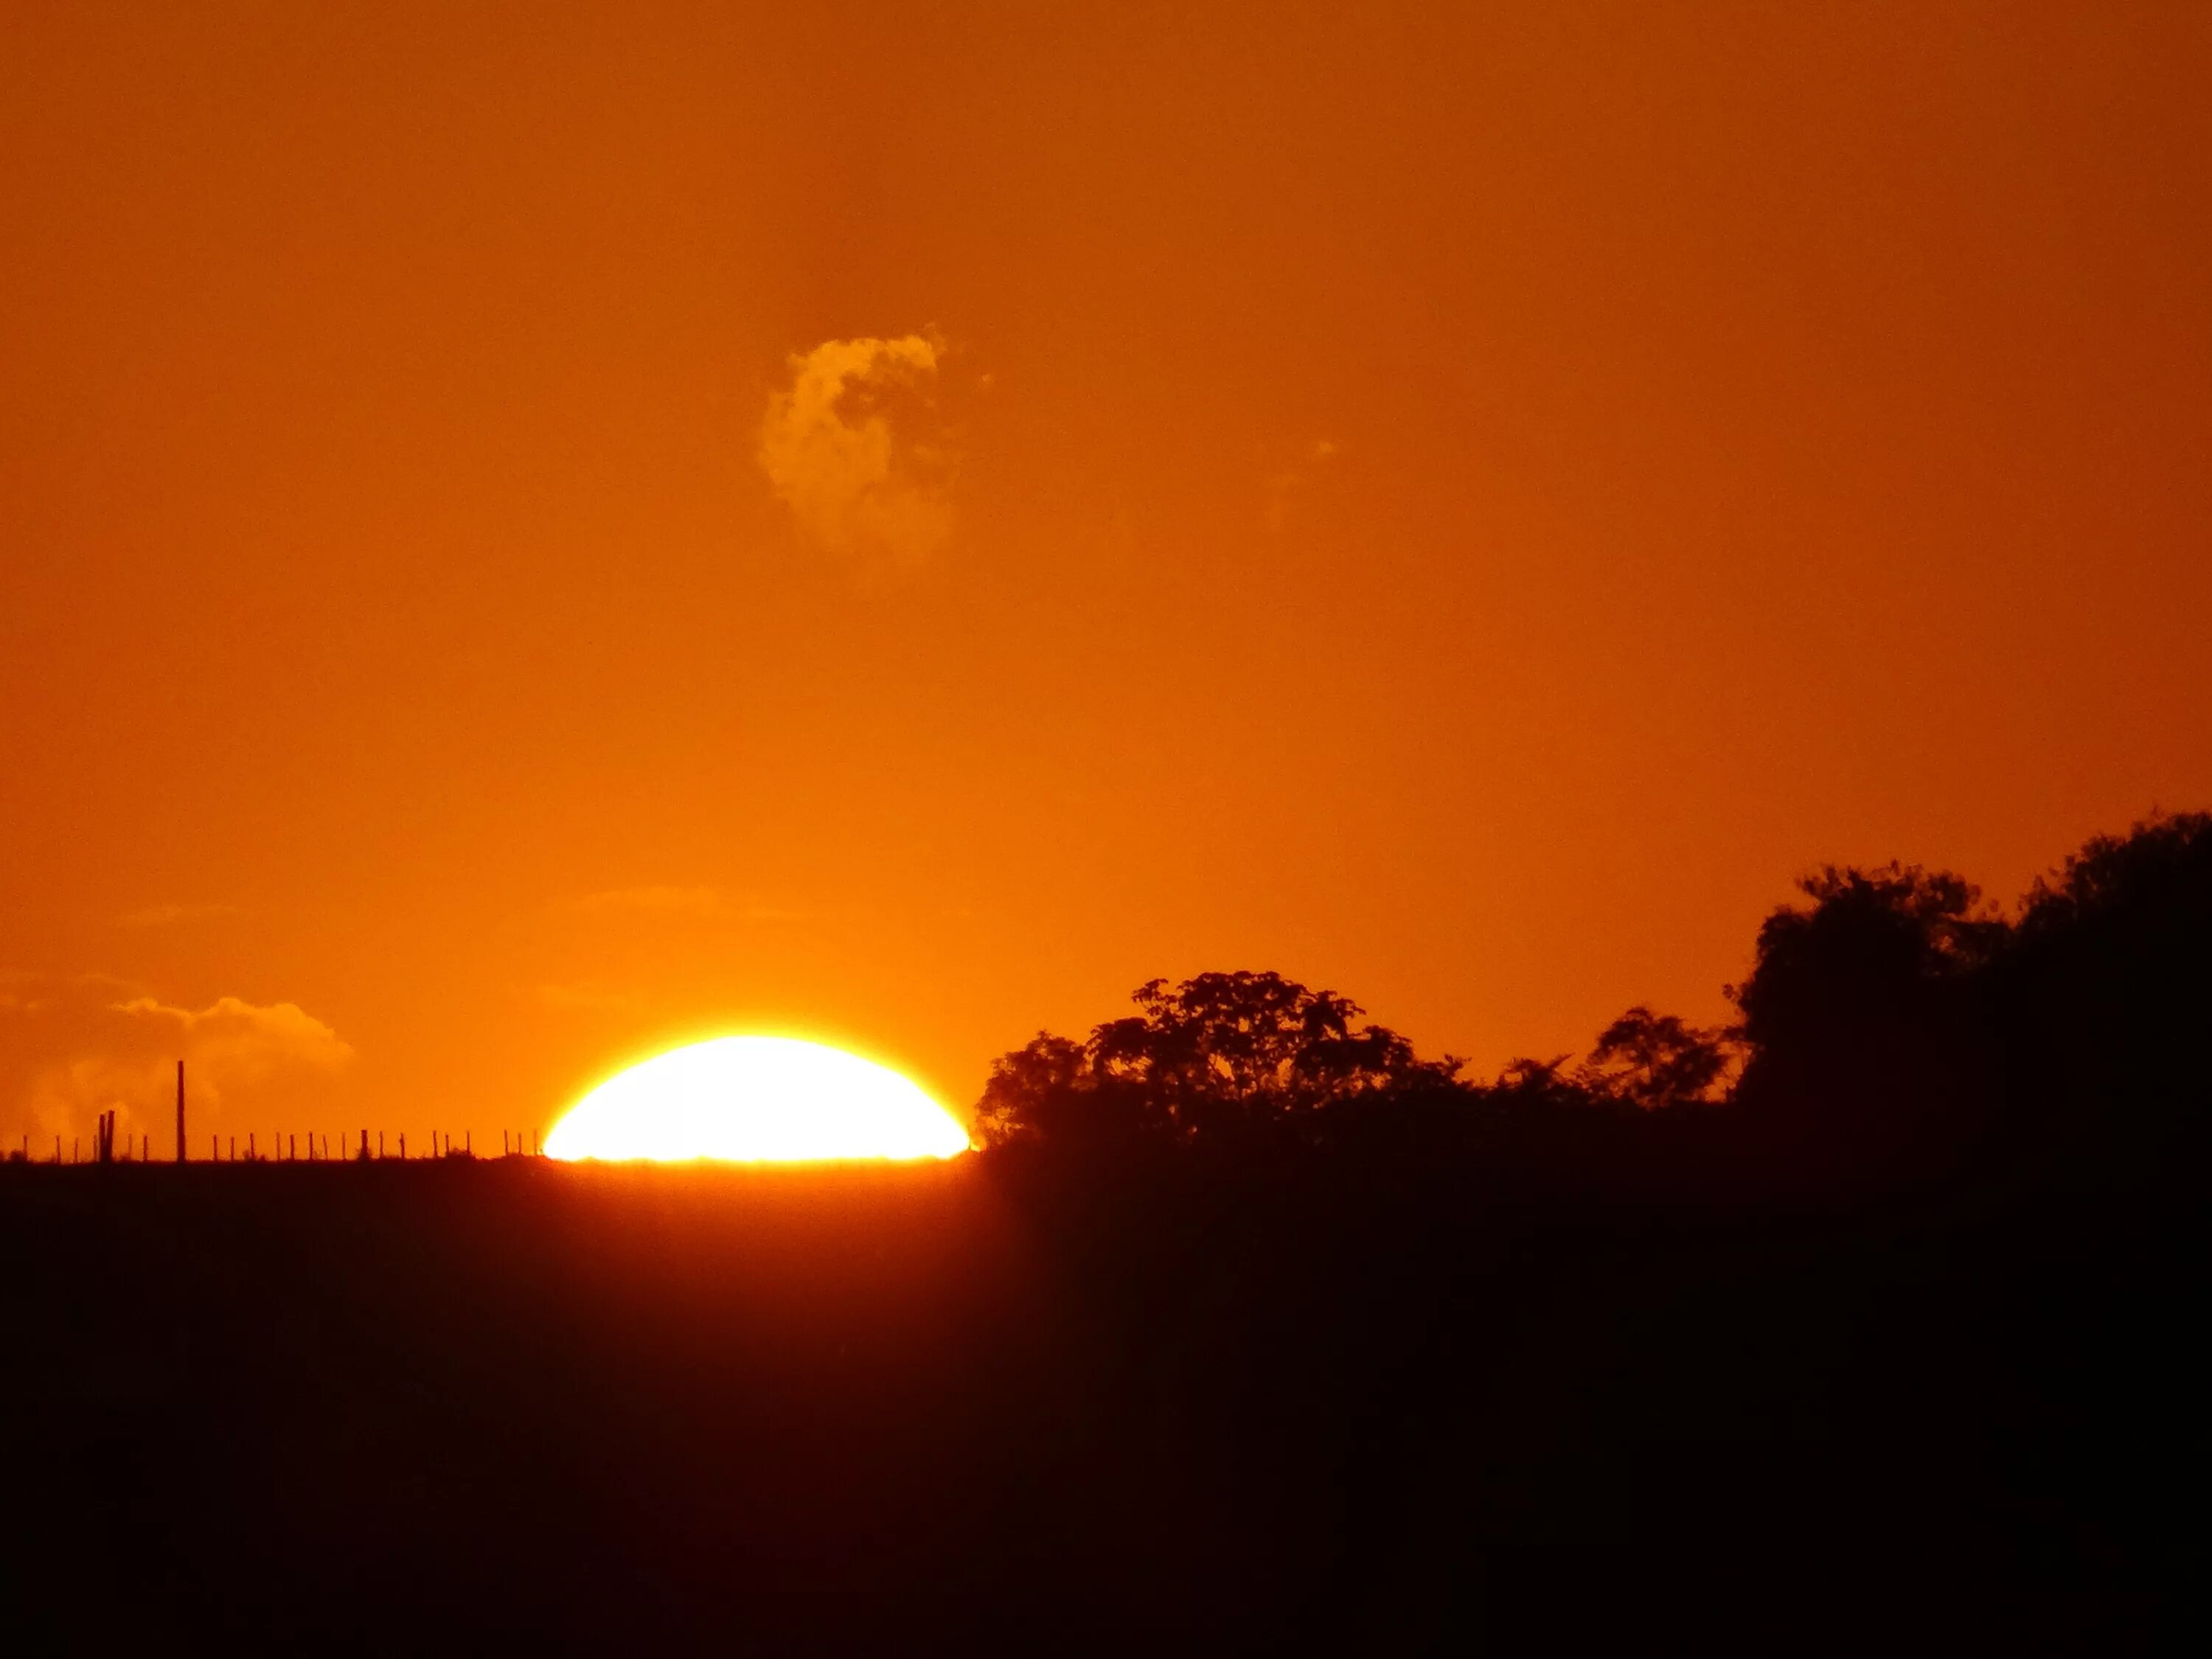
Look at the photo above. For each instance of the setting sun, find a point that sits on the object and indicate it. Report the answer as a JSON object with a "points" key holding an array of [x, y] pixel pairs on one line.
{"points": [[757, 1099]]}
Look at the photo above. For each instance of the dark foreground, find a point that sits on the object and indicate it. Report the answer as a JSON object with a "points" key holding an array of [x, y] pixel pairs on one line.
{"points": [[990, 1408]]}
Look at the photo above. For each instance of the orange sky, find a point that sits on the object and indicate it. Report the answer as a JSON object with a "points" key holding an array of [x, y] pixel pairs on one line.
{"points": [[1459, 508]]}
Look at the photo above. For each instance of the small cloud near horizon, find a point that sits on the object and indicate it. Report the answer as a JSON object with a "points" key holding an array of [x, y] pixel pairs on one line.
{"points": [[589, 997], [650, 899], [678, 901], [83, 1050], [170, 915], [1285, 485]]}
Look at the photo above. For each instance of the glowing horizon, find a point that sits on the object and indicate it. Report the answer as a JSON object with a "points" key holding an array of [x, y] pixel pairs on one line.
{"points": [[755, 1100]]}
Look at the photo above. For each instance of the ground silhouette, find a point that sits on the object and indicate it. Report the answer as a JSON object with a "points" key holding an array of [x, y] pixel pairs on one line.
{"points": [[1865, 1319]]}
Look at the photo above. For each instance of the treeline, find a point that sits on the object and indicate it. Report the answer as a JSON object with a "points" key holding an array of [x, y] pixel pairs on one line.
{"points": [[1894, 1028]]}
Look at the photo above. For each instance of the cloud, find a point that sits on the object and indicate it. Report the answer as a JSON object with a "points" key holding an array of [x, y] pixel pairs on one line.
{"points": [[652, 901], [245, 1042], [857, 450], [589, 997], [672, 900], [169, 915], [1283, 486], [74, 1051]]}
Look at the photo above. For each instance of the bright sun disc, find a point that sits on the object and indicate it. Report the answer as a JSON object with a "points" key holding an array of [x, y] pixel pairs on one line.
{"points": [[757, 1099]]}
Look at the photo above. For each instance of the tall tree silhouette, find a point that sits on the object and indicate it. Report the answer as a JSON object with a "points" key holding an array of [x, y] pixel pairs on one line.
{"points": [[1866, 1018], [2106, 996]]}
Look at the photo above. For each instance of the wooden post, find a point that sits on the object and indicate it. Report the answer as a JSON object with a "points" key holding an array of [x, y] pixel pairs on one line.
{"points": [[180, 1111]]}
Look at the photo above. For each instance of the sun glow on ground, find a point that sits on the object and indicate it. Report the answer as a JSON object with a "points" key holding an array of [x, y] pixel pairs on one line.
{"points": [[757, 1099]]}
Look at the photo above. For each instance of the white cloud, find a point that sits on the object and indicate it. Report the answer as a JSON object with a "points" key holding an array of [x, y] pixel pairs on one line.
{"points": [[857, 450]]}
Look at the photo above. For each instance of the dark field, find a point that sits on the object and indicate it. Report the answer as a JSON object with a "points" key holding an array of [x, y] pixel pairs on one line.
{"points": [[1300, 1407]]}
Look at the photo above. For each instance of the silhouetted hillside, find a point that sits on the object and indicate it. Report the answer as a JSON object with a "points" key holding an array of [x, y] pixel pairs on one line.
{"points": [[1868, 1320]]}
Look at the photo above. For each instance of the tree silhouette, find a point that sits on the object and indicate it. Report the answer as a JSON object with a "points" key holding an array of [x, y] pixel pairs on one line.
{"points": [[1865, 1015], [1894, 1028], [1222, 1056], [2105, 998], [1654, 1061]]}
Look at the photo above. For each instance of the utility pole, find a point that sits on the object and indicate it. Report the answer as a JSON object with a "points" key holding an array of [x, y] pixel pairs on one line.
{"points": [[180, 1111]]}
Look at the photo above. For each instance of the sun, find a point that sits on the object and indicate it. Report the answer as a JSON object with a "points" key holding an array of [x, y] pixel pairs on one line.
{"points": [[757, 1099]]}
